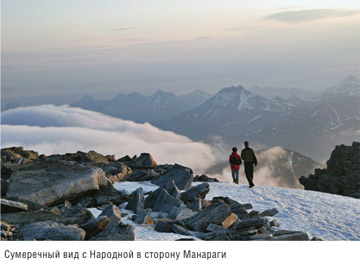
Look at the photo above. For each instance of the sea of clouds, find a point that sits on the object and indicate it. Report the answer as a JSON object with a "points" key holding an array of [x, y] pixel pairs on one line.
{"points": [[50, 129]]}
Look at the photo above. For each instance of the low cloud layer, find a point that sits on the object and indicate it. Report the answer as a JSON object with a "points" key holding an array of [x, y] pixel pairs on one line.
{"points": [[52, 129], [310, 15]]}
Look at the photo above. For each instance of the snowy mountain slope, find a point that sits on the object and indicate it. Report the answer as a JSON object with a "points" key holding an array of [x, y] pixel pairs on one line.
{"points": [[283, 92], [328, 216], [348, 86]]}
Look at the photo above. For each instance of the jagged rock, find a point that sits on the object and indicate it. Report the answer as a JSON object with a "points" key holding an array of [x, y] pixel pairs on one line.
{"points": [[136, 202], [104, 195], [95, 226], [15, 154], [204, 178], [145, 217], [229, 221], [182, 176], [291, 236], [192, 194], [164, 225], [51, 182], [116, 231], [269, 213], [174, 212], [197, 205], [140, 175], [215, 213], [8, 206], [185, 213], [81, 215], [256, 222], [161, 200], [176, 228], [116, 171], [50, 231], [274, 223], [172, 189], [113, 213], [253, 213], [260, 236], [22, 218], [4, 187], [144, 161], [341, 175], [216, 228]]}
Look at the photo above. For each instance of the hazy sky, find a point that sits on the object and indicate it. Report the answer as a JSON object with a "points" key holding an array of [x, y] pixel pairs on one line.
{"points": [[103, 46]]}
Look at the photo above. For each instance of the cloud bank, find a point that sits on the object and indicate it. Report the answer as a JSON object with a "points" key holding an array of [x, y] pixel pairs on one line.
{"points": [[310, 15], [51, 129]]}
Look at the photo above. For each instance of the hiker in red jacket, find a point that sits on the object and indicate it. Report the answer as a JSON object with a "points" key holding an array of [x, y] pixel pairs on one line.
{"points": [[235, 161]]}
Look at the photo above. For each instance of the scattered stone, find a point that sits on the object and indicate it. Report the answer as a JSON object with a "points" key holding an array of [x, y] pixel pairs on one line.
{"points": [[172, 189], [216, 228], [161, 200], [116, 231], [261, 236], [173, 213], [164, 225], [95, 226], [144, 217], [144, 161], [274, 223], [256, 222], [298, 236], [269, 213], [194, 193], [229, 221], [197, 205], [182, 176], [215, 213], [176, 228], [204, 178], [50, 231], [136, 202], [4, 186], [8, 206], [116, 171], [113, 213]]}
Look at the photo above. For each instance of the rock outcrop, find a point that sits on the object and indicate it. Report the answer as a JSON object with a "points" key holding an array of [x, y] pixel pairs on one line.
{"points": [[342, 175], [47, 198]]}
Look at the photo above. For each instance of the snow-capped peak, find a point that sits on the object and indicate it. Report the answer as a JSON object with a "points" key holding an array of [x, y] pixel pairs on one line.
{"points": [[349, 86]]}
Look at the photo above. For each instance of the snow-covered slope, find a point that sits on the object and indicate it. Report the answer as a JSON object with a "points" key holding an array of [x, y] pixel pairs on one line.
{"points": [[328, 216]]}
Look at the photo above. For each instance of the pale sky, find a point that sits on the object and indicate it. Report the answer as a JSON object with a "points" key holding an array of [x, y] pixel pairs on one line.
{"points": [[112, 46]]}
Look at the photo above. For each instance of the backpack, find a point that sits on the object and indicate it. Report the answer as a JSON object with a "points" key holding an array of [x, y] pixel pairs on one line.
{"points": [[235, 161]]}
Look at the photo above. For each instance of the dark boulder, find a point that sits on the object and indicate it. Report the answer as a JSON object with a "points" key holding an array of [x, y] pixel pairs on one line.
{"points": [[95, 226], [194, 193], [182, 176], [161, 200], [216, 213], [136, 201], [50, 231]]}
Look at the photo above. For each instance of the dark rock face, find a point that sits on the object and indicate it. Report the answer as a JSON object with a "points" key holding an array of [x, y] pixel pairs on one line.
{"points": [[194, 193], [182, 176], [342, 175], [51, 182], [95, 226], [51, 231], [8, 206], [161, 200], [204, 178], [215, 213], [117, 231], [136, 202]]}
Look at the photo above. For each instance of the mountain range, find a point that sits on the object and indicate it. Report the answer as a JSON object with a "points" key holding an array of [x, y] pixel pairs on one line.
{"points": [[140, 108], [309, 126]]}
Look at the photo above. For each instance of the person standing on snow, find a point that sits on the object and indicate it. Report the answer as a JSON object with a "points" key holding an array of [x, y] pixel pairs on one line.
{"points": [[248, 155], [235, 162]]}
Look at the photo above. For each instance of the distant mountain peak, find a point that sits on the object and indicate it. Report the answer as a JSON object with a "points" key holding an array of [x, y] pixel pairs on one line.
{"points": [[348, 86], [349, 80]]}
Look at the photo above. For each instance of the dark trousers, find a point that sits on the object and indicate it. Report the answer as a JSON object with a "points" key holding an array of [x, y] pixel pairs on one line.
{"points": [[249, 172]]}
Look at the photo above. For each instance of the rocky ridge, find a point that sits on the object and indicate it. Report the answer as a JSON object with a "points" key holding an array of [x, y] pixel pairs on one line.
{"points": [[47, 198], [342, 175]]}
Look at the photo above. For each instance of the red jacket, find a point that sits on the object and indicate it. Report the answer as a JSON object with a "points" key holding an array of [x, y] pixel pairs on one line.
{"points": [[233, 166]]}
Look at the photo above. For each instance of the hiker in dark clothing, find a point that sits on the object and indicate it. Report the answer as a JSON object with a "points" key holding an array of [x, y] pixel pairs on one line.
{"points": [[248, 155], [235, 162]]}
